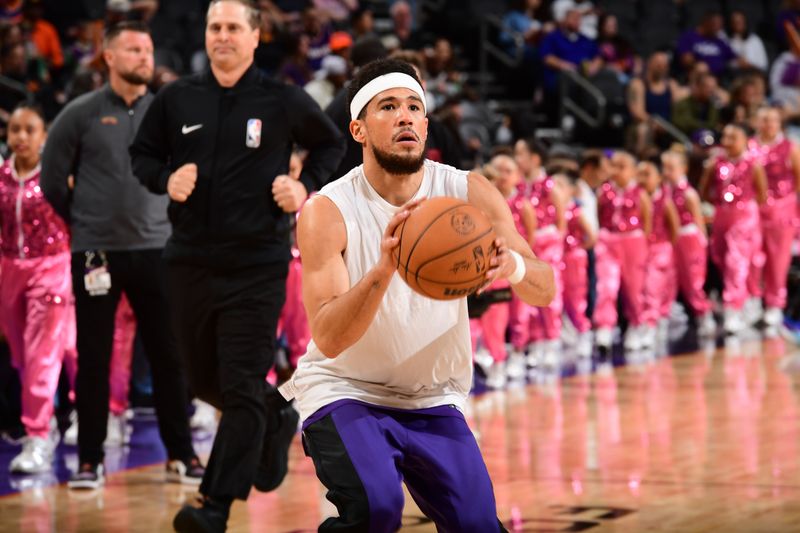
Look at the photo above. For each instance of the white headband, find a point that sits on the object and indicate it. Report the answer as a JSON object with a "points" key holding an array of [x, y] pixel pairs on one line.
{"points": [[393, 80]]}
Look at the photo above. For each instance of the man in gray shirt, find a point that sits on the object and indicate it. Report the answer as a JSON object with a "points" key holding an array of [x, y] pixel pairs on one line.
{"points": [[118, 234]]}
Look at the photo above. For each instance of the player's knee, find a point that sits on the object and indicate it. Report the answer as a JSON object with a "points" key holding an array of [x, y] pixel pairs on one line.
{"points": [[385, 511]]}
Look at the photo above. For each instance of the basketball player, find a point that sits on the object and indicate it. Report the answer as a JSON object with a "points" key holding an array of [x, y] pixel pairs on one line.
{"points": [[781, 161], [383, 385]]}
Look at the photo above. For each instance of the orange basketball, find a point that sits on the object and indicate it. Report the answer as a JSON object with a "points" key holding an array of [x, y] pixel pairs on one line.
{"points": [[445, 248]]}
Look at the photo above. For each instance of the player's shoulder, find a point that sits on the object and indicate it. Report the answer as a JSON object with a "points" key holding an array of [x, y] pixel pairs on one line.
{"points": [[442, 169], [342, 184]]}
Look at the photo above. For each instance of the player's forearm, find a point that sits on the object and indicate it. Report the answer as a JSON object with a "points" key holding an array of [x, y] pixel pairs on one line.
{"points": [[538, 286], [343, 320]]}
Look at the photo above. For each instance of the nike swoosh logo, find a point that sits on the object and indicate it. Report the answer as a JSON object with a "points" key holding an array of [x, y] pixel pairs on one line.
{"points": [[189, 129]]}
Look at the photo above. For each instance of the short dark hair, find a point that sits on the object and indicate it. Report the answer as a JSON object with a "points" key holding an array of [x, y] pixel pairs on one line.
{"points": [[31, 106], [535, 146], [373, 70], [592, 159], [126, 25], [251, 11], [743, 126]]}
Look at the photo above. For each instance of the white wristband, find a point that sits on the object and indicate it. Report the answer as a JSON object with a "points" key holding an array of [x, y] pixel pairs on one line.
{"points": [[519, 271]]}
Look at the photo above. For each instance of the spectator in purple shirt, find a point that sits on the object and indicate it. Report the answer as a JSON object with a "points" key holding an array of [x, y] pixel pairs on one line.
{"points": [[703, 44]]}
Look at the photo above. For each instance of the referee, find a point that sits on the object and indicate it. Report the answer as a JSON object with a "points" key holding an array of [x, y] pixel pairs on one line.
{"points": [[219, 144]]}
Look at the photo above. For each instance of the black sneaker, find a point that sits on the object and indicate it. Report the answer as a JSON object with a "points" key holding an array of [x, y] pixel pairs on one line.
{"points": [[275, 452], [89, 476], [186, 472], [210, 518]]}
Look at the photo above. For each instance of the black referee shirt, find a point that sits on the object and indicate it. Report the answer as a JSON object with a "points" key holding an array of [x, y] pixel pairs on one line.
{"points": [[240, 138]]}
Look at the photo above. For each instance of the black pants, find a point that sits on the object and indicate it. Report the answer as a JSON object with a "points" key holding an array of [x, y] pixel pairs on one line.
{"points": [[141, 275], [225, 322]]}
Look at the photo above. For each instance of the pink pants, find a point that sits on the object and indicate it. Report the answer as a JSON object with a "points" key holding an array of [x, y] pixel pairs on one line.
{"points": [[691, 256], [491, 327], [659, 290], [293, 320], [778, 226], [121, 356], [35, 311], [576, 288], [545, 322], [735, 239], [621, 261]]}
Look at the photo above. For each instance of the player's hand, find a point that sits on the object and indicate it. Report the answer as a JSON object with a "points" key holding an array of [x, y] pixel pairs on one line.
{"points": [[501, 266], [180, 184], [288, 193], [389, 242]]}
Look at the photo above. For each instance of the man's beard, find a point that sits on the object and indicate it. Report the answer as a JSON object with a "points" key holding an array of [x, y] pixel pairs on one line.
{"points": [[135, 79], [396, 164]]}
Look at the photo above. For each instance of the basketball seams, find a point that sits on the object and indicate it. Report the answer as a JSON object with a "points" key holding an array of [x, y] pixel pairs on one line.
{"points": [[462, 245], [426, 228]]}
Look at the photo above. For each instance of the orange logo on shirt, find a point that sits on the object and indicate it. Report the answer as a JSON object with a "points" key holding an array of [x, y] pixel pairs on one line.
{"points": [[108, 120]]}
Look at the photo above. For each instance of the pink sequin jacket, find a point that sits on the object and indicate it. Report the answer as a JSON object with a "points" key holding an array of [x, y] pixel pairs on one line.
{"points": [[29, 227]]}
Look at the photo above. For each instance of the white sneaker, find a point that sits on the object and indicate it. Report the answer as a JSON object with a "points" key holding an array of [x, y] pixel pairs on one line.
{"points": [[706, 326], [484, 360], [734, 322], [647, 336], [36, 456], [584, 347], [70, 436], [752, 311], [604, 337], [773, 317], [633, 338], [118, 432], [496, 377], [204, 417], [551, 354], [535, 353], [515, 366]]}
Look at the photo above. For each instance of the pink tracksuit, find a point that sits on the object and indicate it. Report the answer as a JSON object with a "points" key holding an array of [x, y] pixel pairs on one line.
{"points": [[691, 252], [736, 233], [519, 313], [491, 326], [293, 320], [544, 323], [659, 291], [576, 276], [778, 221], [621, 253], [35, 292]]}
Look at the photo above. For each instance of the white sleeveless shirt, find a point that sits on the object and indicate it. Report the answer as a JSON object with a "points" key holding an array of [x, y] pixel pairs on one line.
{"points": [[416, 353]]}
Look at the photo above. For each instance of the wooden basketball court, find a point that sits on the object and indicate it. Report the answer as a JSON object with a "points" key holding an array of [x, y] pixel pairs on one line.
{"points": [[702, 442]]}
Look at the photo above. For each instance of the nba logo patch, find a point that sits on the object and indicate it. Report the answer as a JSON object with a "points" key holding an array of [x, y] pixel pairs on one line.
{"points": [[253, 133]]}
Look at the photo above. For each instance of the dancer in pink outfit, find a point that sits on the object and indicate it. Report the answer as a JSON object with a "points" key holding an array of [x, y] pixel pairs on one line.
{"points": [[735, 183], [625, 214], [580, 238], [659, 291], [504, 173], [780, 159], [548, 204], [293, 323], [35, 287], [691, 246]]}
